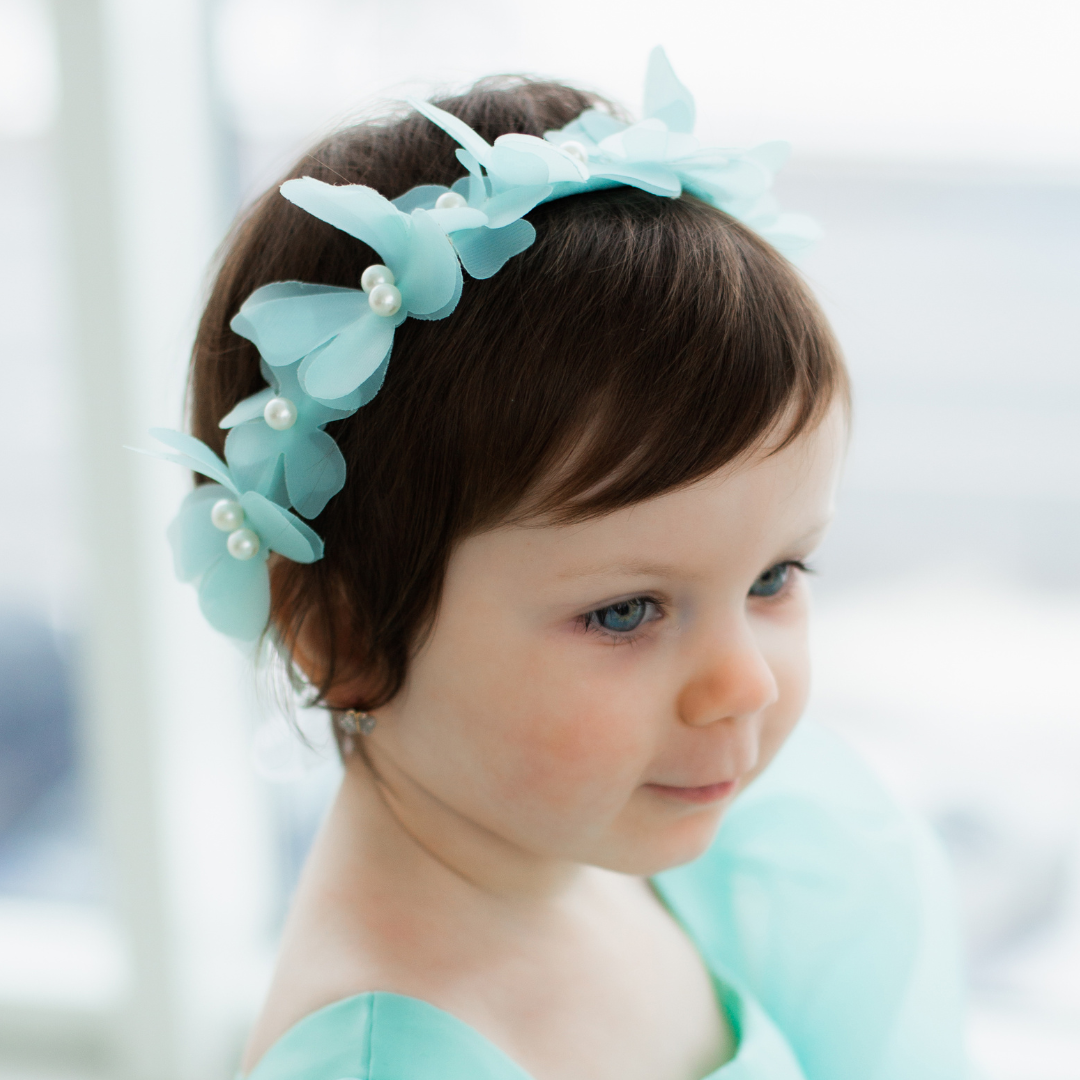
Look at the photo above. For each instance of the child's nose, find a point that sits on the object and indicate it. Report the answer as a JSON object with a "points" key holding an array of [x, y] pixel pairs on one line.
{"points": [[732, 682]]}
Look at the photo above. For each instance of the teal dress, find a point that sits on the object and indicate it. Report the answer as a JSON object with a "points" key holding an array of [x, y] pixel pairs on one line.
{"points": [[823, 912]]}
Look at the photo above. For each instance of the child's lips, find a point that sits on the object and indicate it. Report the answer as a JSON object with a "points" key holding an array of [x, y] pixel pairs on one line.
{"points": [[705, 794]]}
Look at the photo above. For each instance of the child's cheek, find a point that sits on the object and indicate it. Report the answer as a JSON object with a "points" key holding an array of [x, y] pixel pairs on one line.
{"points": [[571, 744]]}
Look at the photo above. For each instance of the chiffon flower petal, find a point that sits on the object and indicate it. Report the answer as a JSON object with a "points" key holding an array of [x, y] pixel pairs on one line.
{"points": [[653, 177], [192, 454], [355, 209], [660, 155], [561, 167], [791, 234], [510, 205], [457, 129], [596, 125], [665, 97], [279, 530], [430, 271], [289, 319], [248, 409], [461, 217], [234, 596], [234, 593], [370, 386], [196, 544], [484, 252], [646, 141], [314, 473], [254, 454], [450, 304], [773, 155], [516, 167], [421, 197], [351, 358]]}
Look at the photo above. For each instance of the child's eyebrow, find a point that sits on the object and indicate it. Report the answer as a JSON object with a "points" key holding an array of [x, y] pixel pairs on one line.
{"points": [[641, 568], [814, 533]]}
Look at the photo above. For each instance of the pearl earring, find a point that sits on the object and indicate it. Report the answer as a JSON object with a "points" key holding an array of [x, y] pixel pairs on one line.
{"points": [[356, 722]]}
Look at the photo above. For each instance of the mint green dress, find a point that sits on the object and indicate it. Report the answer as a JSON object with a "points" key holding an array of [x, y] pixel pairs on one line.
{"points": [[823, 912]]}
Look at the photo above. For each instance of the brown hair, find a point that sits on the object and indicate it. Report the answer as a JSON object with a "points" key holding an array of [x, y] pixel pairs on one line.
{"points": [[640, 344]]}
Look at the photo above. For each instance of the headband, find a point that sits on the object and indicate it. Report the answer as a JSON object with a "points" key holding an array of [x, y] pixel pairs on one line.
{"points": [[324, 350]]}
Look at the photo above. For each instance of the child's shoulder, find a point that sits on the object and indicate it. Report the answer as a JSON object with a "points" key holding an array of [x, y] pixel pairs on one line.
{"points": [[834, 907], [376, 1035]]}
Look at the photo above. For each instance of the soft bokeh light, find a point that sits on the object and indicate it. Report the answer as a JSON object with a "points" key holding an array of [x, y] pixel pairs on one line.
{"points": [[958, 81]]}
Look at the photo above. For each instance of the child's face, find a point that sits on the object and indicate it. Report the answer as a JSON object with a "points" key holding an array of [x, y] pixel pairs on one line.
{"points": [[600, 692]]}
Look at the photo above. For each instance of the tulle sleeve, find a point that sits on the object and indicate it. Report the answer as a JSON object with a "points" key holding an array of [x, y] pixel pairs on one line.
{"points": [[834, 908]]}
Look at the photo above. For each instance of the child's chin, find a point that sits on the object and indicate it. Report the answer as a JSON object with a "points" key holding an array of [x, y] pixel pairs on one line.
{"points": [[663, 847]]}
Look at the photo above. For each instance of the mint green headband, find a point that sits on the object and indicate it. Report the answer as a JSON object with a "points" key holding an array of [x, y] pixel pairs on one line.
{"points": [[325, 350]]}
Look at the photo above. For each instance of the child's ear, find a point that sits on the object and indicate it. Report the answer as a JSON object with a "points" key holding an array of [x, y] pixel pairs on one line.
{"points": [[318, 638]]}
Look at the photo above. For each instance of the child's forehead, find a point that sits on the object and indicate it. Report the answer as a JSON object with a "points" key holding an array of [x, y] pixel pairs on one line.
{"points": [[772, 499]]}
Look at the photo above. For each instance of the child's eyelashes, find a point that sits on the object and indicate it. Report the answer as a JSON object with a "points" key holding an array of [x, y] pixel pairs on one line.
{"points": [[775, 580], [619, 621]]}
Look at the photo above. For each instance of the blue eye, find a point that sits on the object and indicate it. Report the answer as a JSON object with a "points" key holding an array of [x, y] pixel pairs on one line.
{"points": [[773, 580], [623, 617]]}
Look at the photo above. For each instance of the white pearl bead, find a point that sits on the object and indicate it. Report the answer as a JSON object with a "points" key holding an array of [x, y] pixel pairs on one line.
{"points": [[243, 544], [227, 515], [376, 275], [575, 150], [450, 200], [385, 300], [280, 413]]}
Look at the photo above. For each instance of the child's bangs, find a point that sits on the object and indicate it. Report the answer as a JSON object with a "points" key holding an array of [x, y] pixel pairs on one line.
{"points": [[700, 344]]}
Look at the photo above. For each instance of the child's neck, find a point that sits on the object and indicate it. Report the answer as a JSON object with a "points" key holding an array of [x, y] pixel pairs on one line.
{"points": [[393, 831]]}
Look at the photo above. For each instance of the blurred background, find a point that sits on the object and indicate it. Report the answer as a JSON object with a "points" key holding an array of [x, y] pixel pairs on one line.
{"points": [[154, 805]]}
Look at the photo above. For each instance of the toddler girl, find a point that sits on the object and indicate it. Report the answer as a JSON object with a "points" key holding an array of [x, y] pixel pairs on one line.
{"points": [[554, 595]]}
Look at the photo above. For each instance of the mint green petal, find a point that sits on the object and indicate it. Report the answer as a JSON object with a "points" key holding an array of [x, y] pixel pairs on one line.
{"points": [[484, 252], [449, 306], [681, 146], [196, 543], [371, 385], [653, 177], [358, 210], [474, 187], [772, 155], [348, 360], [462, 217], [234, 595], [314, 472], [560, 167], [599, 125], [193, 454], [646, 141], [516, 167], [665, 97], [252, 450], [594, 183], [281, 531], [455, 128], [248, 409], [347, 405], [313, 413], [430, 272], [592, 126], [574, 131], [288, 319], [792, 234], [421, 197], [514, 203], [736, 179]]}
